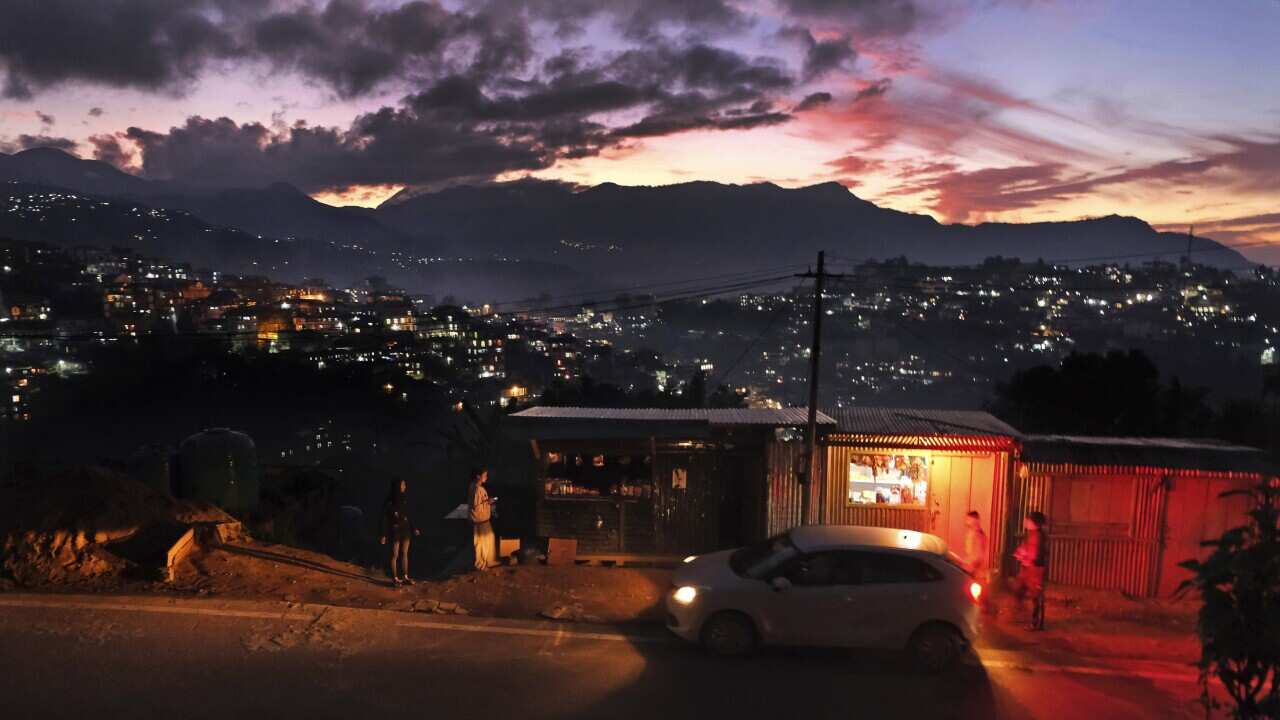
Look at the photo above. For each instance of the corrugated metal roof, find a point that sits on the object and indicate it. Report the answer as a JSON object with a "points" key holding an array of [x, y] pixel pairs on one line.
{"points": [[908, 421], [1174, 453], [781, 417]]}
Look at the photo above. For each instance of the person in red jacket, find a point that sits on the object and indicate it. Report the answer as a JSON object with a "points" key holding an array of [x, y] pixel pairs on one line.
{"points": [[1032, 556]]}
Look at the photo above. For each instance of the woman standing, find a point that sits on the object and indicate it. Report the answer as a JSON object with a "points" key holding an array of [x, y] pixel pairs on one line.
{"points": [[397, 527], [1032, 555], [481, 506]]}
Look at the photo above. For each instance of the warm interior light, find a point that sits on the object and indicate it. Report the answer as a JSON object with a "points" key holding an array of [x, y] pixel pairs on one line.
{"points": [[685, 595], [975, 591], [691, 558]]}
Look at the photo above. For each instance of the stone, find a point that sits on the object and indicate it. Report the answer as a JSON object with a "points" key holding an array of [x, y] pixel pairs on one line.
{"points": [[560, 611], [461, 611], [425, 606], [448, 607]]}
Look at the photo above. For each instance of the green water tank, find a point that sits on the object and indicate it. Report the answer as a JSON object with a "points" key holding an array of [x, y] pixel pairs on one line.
{"points": [[219, 466]]}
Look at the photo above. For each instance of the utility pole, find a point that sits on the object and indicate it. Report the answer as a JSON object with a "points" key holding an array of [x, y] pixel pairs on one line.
{"points": [[810, 437]]}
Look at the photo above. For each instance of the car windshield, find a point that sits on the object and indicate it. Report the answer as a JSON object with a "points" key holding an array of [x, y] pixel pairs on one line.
{"points": [[757, 561]]}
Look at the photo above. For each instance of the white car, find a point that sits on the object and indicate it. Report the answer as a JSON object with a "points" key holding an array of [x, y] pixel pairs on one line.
{"points": [[830, 585]]}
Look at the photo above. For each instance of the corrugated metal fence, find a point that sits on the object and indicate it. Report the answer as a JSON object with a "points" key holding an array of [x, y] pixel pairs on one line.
{"points": [[1130, 563], [784, 491]]}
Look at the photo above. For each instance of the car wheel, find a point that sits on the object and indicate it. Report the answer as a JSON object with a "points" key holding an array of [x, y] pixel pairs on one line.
{"points": [[729, 634], [935, 648]]}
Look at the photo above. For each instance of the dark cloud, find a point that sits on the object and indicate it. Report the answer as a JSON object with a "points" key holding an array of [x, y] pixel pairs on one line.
{"points": [[96, 112], [162, 45], [353, 46], [658, 125], [485, 103], [465, 126], [821, 56], [148, 44], [635, 19], [45, 118], [27, 142], [868, 17], [464, 96], [875, 89], [108, 148], [812, 101], [386, 146]]}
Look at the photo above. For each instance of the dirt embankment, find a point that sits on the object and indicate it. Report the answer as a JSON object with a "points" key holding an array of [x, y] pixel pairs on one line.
{"points": [[590, 594], [60, 530], [70, 532]]}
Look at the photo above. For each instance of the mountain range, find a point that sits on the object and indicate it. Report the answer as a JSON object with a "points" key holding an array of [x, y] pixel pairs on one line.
{"points": [[522, 238]]}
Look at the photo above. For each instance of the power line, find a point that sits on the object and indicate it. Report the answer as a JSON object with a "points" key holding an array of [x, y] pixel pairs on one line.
{"points": [[724, 375], [684, 294], [1159, 253], [640, 288]]}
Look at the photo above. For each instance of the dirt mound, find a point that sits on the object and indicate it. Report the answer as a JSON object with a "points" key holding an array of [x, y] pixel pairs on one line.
{"points": [[59, 528]]}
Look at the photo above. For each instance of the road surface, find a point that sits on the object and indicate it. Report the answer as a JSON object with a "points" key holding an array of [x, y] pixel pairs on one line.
{"points": [[107, 657]]}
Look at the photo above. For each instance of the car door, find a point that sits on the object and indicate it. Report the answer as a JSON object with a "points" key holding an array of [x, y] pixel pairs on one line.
{"points": [[893, 597], [817, 607]]}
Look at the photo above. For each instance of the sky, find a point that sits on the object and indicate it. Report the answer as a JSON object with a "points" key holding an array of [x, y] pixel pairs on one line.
{"points": [[968, 110]]}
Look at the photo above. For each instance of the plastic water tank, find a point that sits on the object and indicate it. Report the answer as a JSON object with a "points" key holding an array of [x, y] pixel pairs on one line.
{"points": [[219, 466]]}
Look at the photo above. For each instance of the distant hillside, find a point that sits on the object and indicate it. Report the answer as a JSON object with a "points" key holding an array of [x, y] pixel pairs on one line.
{"points": [[610, 228], [612, 234], [55, 168], [279, 210], [67, 219], [70, 219]]}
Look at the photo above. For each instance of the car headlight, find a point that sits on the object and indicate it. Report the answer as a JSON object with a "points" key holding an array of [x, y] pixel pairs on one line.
{"points": [[691, 558], [685, 595]]}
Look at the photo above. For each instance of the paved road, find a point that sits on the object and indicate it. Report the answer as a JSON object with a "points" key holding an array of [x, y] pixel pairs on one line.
{"points": [[105, 657]]}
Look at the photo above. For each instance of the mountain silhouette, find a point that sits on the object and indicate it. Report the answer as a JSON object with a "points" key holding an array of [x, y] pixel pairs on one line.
{"points": [[613, 234]]}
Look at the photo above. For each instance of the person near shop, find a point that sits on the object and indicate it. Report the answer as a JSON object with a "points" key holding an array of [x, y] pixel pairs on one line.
{"points": [[481, 510], [974, 557], [1032, 557], [398, 529]]}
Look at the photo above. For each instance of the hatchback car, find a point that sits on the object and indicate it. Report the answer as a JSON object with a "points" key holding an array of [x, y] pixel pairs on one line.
{"points": [[830, 586]]}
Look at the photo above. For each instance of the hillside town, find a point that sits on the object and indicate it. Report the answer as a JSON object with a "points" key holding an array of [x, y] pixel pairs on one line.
{"points": [[898, 332]]}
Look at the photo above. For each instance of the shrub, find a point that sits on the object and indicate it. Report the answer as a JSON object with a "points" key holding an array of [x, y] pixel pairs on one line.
{"points": [[1239, 619]]}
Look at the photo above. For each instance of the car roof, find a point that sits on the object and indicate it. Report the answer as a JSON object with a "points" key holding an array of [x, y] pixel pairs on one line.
{"points": [[810, 538]]}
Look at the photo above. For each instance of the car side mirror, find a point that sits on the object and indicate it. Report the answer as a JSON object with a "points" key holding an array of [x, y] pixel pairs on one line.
{"points": [[780, 584]]}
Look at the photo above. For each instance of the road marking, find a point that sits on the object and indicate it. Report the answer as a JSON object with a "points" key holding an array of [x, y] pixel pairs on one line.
{"points": [[557, 634], [299, 615], [292, 615]]}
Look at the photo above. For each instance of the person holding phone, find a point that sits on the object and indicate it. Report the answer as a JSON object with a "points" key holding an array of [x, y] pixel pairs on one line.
{"points": [[481, 511]]}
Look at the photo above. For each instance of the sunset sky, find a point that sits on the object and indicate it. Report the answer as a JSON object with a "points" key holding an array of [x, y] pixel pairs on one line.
{"points": [[969, 110]]}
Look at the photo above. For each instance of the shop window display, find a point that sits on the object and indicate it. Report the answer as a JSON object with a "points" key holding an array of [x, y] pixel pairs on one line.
{"points": [[888, 480], [572, 475]]}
